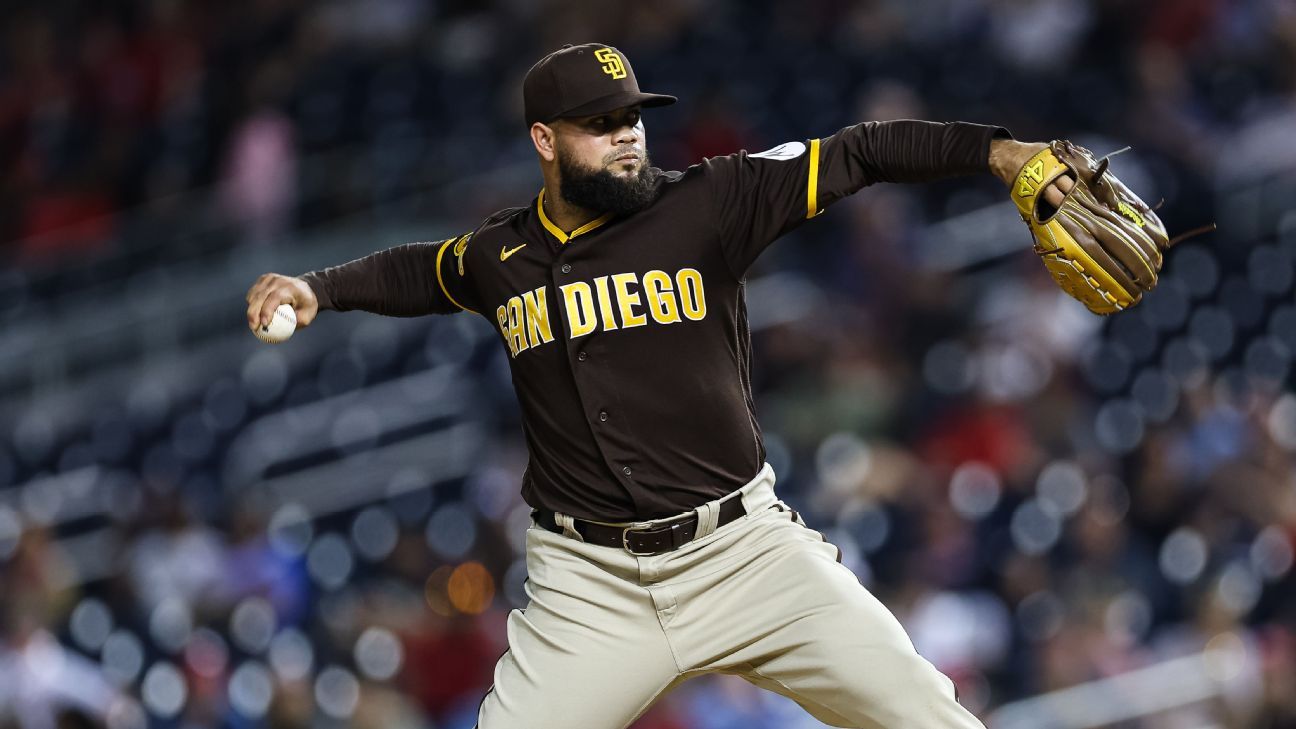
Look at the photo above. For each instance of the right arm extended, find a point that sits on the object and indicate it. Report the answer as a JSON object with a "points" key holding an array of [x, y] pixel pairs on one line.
{"points": [[399, 281]]}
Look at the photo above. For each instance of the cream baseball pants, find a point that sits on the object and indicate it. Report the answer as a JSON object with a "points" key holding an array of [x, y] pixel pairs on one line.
{"points": [[606, 633]]}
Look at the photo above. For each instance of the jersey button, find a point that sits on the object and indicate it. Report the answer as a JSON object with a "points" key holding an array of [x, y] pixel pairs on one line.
{"points": [[603, 415], [626, 470], [582, 356], [566, 268]]}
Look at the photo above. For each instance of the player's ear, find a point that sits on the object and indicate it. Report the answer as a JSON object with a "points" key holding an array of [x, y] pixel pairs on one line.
{"points": [[542, 136]]}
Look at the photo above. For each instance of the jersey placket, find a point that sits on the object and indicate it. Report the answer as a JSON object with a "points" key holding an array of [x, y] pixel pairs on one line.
{"points": [[573, 256]]}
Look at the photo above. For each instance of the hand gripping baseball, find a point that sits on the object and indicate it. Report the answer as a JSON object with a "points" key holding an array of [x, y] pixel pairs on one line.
{"points": [[271, 290]]}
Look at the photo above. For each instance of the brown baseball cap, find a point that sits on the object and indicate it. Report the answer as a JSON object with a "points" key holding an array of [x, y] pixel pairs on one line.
{"points": [[580, 81]]}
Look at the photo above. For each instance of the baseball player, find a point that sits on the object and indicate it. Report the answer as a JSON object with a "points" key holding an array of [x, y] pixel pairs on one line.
{"points": [[659, 549]]}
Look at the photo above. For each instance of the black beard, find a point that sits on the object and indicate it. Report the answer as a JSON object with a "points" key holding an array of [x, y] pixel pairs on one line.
{"points": [[603, 192]]}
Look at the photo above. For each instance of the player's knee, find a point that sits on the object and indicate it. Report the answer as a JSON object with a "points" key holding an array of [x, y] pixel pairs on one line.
{"points": [[921, 686]]}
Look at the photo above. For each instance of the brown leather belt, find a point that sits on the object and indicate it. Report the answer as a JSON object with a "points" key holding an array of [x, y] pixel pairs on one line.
{"points": [[646, 540]]}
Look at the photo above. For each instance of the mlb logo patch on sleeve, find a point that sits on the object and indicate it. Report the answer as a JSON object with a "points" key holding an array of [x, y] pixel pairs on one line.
{"points": [[787, 150]]}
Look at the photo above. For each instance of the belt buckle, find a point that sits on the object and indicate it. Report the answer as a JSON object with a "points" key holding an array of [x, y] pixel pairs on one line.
{"points": [[644, 527]]}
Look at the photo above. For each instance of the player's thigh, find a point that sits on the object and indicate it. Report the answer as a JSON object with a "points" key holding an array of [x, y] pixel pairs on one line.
{"points": [[838, 651], [548, 682], [587, 651]]}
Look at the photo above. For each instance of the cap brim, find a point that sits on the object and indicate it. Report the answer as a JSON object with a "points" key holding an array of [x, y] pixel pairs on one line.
{"points": [[619, 101]]}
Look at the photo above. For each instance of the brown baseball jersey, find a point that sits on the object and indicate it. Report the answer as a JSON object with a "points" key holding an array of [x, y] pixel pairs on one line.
{"points": [[628, 337]]}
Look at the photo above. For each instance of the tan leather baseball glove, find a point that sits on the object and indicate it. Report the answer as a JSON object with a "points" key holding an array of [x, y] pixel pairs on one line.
{"points": [[1103, 245]]}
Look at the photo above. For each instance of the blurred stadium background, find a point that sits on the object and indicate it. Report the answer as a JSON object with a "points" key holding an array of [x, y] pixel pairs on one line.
{"points": [[1085, 522]]}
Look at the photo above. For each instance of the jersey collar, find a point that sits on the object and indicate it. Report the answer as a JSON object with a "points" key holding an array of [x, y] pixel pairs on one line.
{"points": [[557, 232]]}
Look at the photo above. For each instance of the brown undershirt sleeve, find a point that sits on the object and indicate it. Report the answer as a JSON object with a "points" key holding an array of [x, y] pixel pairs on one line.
{"points": [[399, 281], [908, 150]]}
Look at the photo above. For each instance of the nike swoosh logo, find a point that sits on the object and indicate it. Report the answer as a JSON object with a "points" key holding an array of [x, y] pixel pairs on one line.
{"points": [[505, 253]]}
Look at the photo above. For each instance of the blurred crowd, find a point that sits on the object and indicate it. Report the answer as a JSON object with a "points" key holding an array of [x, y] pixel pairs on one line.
{"points": [[1043, 498], [108, 107]]}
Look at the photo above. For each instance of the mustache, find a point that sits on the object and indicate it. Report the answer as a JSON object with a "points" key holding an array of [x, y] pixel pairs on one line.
{"points": [[614, 155]]}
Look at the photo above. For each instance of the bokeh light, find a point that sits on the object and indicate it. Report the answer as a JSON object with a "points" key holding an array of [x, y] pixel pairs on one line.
{"points": [[1014, 372], [1034, 529], [291, 655], [1186, 361], [290, 530], [170, 624], [865, 524], [164, 690], [1271, 553], [251, 689], [470, 588], [337, 692], [122, 656], [206, 655], [974, 490], [1238, 587], [1128, 617], [451, 531], [90, 624], [436, 591], [1119, 425], [374, 533], [1268, 361], [843, 461], [1061, 488], [252, 624], [1183, 556], [1282, 421], [378, 654], [329, 561]]}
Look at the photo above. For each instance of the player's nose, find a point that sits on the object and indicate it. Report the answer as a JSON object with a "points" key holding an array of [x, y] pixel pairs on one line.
{"points": [[626, 135]]}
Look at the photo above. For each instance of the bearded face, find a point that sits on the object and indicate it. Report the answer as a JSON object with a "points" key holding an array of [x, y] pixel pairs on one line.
{"points": [[599, 190]]}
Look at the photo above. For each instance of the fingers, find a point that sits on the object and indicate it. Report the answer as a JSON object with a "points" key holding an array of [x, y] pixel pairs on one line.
{"points": [[272, 301], [256, 297], [267, 293], [1057, 192]]}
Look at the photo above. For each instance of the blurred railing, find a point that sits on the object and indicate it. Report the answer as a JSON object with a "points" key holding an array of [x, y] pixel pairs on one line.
{"points": [[1152, 691]]}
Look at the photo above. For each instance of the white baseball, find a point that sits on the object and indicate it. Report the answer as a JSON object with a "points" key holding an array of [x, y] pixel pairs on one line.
{"points": [[281, 326]]}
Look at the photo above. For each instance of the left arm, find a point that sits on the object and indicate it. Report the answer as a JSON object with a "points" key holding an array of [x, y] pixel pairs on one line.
{"points": [[918, 151], [759, 197]]}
